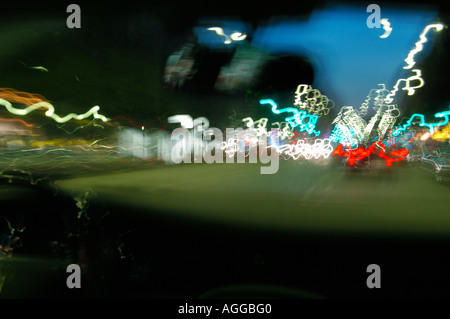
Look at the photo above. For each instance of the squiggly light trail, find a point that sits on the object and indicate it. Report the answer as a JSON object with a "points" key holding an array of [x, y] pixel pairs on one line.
{"points": [[297, 119], [231, 146], [51, 112], [387, 28], [261, 125], [387, 114], [61, 127], [419, 44], [320, 148], [445, 115], [344, 135], [349, 118], [284, 130], [411, 89], [219, 31], [236, 36], [388, 118], [311, 100], [360, 153], [410, 63]]}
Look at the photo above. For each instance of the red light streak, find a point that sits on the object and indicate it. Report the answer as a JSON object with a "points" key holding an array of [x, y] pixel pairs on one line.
{"points": [[140, 126], [361, 153]]}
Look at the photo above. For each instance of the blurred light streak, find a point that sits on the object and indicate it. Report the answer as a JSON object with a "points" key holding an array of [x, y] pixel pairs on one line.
{"points": [[410, 63], [419, 44], [238, 36], [297, 119], [220, 32], [59, 142], [60, 160], [411, 89], [185, 120], [284, 130], [137, 125], [344, 135], [351, 128], [388, 119], [19, 97], [372, 98], [442, 135], [320, 148], [235, 36], [387, 28], [312, 101], [12, 229], [425, 136], [79, 127], [332, 37], [39, 68], [431, 126], [361, 153], [231, 147], [51, 111], [261, 125], [9, 128], [2, 119], [351, 125]]}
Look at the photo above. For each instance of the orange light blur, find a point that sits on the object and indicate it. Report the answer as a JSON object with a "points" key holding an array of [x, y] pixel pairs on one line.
{"points": [[2, 119], [15, 96]]}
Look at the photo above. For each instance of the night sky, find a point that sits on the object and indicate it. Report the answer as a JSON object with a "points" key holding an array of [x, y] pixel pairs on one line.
{"points": [[116, 60]]}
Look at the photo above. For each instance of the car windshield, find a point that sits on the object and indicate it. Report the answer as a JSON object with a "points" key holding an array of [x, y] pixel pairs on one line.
{"points": [[175, 151]]}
